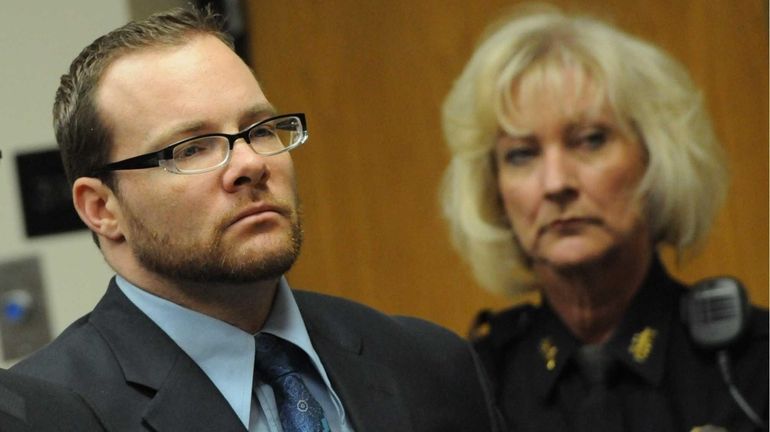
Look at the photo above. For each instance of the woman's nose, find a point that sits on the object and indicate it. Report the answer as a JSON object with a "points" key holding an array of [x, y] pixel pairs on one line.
{"points": [[558, 176]]}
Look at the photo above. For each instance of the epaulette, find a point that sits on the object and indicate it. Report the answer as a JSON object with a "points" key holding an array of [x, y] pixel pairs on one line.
{"points": [[501, 327], [491, 332]]}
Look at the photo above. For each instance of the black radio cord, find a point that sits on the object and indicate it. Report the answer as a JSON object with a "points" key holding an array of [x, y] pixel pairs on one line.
{"points": [[724, 366]]}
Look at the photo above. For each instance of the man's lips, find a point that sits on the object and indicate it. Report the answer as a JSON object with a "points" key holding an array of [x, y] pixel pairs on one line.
{"points": [[257, 210]]}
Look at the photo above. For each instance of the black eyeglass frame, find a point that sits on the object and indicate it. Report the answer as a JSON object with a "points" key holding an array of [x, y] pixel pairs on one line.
{"points": [[155, 159]]}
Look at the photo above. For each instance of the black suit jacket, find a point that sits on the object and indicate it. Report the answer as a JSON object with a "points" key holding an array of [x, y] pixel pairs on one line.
{"points": [[392, 374], [27, 404]]}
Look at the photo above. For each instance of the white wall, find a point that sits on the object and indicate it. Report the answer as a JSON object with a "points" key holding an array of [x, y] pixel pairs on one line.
{"points": [[38, 40]]}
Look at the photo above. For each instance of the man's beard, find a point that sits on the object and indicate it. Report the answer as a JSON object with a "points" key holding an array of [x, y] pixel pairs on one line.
{"points": [[207, 260]]}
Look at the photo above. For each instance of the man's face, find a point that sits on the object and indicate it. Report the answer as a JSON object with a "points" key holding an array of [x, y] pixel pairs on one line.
{"points": [[239, 223]]}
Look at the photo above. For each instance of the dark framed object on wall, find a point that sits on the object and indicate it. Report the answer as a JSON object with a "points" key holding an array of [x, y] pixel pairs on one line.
{"points": [[46, 196]]}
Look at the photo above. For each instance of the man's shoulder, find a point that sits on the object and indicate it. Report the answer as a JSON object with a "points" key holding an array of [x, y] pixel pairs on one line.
{"points": [[69, 357], [367, 320], [42, 406], [388, 339], [77, 334], [420, 359]]}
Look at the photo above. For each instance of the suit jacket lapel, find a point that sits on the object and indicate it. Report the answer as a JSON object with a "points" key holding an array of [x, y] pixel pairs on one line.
{"points": [[184, 398], [188, 401], [367, 389]]}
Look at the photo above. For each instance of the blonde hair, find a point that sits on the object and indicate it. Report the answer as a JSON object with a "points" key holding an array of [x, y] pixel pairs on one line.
{"points": [[649, 92]]}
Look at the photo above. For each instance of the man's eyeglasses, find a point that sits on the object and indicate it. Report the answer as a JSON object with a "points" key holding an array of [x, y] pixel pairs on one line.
{"points": [[208, 152]]}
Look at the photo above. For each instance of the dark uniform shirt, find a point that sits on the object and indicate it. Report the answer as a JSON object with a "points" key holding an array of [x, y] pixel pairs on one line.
{"points": [[649, 376]]}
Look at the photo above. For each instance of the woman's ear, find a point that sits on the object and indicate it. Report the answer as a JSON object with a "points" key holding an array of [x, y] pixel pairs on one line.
{"points": [[97, 207]]}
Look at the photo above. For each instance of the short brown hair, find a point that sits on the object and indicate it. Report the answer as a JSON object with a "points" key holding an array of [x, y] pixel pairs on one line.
{"points": [[84, 139]]}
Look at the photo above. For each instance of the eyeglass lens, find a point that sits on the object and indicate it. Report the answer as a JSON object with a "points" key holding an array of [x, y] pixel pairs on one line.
{"points": [[266, 139]]}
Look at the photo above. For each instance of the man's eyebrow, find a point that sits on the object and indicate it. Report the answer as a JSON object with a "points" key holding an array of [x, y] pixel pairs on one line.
{"points": [[177, 132], [260, 111], [189, 129]]}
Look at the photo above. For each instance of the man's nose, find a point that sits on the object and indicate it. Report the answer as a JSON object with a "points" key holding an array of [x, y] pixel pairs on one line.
{"points": [[246, 167]]}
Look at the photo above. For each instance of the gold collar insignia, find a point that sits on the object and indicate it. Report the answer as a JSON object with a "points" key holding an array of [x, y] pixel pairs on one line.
{"points": [[548, 350], [641, 344], [708, 428]]}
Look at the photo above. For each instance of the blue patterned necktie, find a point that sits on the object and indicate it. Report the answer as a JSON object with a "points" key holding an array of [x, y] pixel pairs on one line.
{"points": [[278, 363]]}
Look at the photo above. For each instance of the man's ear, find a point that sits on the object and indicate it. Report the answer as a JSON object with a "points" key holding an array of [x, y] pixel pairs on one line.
{"points": [[97, 206]]}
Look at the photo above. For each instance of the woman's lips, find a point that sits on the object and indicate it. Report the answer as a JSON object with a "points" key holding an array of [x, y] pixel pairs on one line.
{"points": [[568, 224]]}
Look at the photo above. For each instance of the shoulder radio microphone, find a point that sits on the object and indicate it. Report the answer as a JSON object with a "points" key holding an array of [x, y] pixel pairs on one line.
{"points": [[716, 312]]}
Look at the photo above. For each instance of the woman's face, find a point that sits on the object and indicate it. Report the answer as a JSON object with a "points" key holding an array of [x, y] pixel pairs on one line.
{"points": [[568, 179]]}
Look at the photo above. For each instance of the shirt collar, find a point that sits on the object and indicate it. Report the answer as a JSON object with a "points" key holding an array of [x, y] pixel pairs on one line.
{"points": [[285, 321], [224, 352], [550, 348], [639, 343]]}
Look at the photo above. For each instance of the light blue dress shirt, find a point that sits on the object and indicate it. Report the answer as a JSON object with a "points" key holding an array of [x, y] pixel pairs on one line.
{"points": [[226, 354]]}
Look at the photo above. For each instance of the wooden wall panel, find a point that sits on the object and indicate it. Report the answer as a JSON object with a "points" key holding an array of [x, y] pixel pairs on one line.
{"points": [[372, 76]]}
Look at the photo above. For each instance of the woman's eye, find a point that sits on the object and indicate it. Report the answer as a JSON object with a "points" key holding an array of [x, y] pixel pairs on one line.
{"points": [[594, 139], [519, 156]]}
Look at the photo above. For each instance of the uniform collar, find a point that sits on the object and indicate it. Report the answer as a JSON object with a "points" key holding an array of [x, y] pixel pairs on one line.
{"points": [[639, 343]]}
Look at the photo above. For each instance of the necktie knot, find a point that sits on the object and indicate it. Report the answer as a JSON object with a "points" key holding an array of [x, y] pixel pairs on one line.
{"points": [[275, 357], [278, 363]]}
